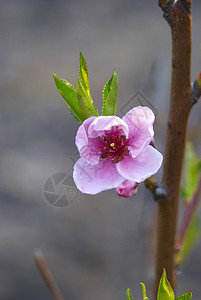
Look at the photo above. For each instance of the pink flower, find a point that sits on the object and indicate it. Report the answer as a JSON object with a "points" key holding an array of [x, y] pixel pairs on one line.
{"points": [[115, 152]]}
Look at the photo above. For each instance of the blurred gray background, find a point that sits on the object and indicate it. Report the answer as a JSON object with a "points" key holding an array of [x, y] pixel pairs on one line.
{"points": [[99, 245]]}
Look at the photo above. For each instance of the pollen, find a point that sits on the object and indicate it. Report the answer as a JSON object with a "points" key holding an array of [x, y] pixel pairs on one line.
{"points": [[112, 145]]}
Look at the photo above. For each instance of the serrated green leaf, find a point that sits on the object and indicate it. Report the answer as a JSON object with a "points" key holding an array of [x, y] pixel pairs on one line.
{"points": [[128, 294], [107, 88], [192, 236], [74, 116], [110, 92], [144, 291], [165, 291], [192, 171], [85, 101], [80, 102], [83, 89], [83, 74], [69, 94], [186, 296]]}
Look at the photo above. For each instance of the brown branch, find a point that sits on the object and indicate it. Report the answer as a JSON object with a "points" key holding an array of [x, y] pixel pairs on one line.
{"points": [[186, 5], [181, 93], [46, 274], [188, 215]]}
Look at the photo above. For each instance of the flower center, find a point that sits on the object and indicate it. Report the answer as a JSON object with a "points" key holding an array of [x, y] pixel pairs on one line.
{"points": [[114, 146]]}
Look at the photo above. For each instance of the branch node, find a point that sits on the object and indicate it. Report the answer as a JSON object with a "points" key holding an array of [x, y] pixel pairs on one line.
{"points": [[159, 192], [196, 87], [167, 7]]}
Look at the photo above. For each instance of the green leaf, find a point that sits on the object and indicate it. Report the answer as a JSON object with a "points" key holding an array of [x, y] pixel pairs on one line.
{"points": [[165, 291], [80, 102], [199, 166], [83, 90], [183, 192], [186, 296], [85, 101], [144, 291], [83, 74], [69, 94], [110, 92], [129, 295], [163, 2], [107, 88], [198, 79], [192, 170], [192, 236], [74, 115]]}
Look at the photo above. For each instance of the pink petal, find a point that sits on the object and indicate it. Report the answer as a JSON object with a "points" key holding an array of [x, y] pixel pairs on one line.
{"points": [[127, 189], [93, 179], [83, 143], [143, 166], [81, 138], [140, 121], [105, 123]]}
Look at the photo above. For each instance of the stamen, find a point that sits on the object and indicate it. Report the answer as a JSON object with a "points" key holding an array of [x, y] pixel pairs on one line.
{"points": [[115, 146]]}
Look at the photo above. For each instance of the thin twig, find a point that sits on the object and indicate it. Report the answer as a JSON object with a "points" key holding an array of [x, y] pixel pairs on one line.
{"points": [[46, 274], [188, 215]]}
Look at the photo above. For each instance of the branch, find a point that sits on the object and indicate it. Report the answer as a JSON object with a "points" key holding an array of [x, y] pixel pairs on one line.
{"points": [[46, 274], [188, 214], [181, 93], [186, 5], [167, 7]]}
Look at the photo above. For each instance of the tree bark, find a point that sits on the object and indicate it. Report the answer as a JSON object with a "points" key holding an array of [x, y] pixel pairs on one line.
{"points": [[179, 19]]}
